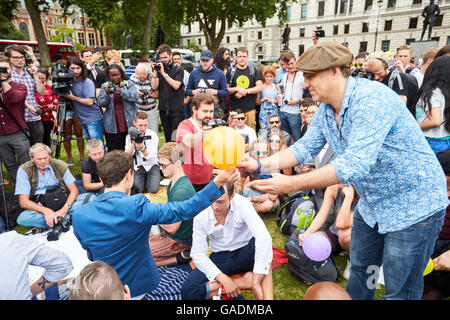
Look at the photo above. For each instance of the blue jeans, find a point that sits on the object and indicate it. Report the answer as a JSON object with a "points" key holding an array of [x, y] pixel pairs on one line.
{"points": [[93, 130], [404, 255], [291, 123], [438, 145], [30, 218]]}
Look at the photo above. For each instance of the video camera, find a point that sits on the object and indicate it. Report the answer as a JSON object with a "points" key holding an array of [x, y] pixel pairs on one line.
{"points": [[216, 123], [61, 78], [136, 136], [362, 73], [61, 226]]}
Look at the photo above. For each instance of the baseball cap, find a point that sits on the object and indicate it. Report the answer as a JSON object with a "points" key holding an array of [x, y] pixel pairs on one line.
{"points": [[206, 55]]}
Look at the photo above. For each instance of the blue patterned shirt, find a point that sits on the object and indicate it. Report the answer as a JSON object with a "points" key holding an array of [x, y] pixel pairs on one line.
{"points": [[382, 152]]}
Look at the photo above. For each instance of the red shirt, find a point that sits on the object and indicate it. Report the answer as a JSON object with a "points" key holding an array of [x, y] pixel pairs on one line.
{"points": [[14, 99], [119, 114], [196, 167], [50, 100]]}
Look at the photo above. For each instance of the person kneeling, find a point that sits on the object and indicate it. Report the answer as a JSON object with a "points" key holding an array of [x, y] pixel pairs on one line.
{"points": [[234, 230]]}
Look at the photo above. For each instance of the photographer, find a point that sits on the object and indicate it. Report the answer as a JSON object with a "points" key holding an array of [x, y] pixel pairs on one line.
{"points": [[46, 189], [13, 140], [168, 79], [386, 159], [119, 96], [147, 96], [144, 149], [47, 103], [82, 96], [95, 73], [29, 78]]}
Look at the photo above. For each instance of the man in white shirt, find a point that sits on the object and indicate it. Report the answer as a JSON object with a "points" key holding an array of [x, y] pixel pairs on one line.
{"points": [[18, 252], [145, 154], [248, 133], [240, 243]]}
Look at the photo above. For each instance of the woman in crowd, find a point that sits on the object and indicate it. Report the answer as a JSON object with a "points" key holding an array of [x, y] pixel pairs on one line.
{"points": [[119, 97], [82, 96], [433, 107], [267, 99], [113, 57], [276, 144], [47, 103], [222, 59]]}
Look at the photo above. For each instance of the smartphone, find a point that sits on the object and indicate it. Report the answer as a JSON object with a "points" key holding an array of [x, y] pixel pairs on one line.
{"points": [[320, 33], [309, 165]]}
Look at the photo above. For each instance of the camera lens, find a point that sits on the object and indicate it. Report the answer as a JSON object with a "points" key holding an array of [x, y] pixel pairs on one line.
{"points": [[286, 102]]}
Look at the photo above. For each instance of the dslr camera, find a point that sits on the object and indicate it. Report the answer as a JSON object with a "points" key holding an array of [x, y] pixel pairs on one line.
{"points": [[320, 33], [3, 70], [145, 95], [61, 78], [216, 123], [362, 73], [61, 226], [136, 135], [157, 66], [109, 87], [201, 90]]}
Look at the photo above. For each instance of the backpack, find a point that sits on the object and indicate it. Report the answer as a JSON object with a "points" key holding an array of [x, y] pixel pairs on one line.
{"points": [[411, 84], [297, 213], [13, 207], [233, 71], [304, 268]]}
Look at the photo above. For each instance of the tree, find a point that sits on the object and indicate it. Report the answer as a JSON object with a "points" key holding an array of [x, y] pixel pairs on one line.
{"points": [[65, 34], [9, 31], [213, 15]]}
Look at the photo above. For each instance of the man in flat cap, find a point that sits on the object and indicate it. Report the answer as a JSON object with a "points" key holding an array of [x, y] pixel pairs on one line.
{"points": [[380, 150]]}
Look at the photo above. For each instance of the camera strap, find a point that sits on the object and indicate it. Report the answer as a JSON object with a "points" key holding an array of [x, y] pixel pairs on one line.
{"points": [[25, 131], [204, 79]]}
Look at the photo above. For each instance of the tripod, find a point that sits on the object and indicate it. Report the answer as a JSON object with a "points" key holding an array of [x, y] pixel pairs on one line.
{"points": [[2, 186]]}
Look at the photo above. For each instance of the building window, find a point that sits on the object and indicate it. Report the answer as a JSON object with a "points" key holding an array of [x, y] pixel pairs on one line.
{"points": [[228, 39], [344, 4], [413, 22], [363, 46], [260, 48], [346, 28], [188, 41], [23, 27], [102, 39], [200, 41], [189, 28], [288, 13], [81, 38], [435, 39], [368, 5], [385, 44], [91, 39], [304, 11], [438, 22], [302, 32], [335, 29], [259, 35], [301, 49], [409, 41], [388, 25], [365, 27], [448, 40], [391, 3], [321, 10], [239, 38], [417, 1]]}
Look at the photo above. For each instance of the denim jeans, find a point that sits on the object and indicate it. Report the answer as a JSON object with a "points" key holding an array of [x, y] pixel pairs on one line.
{"points": [[146, 180], [93, 130], [404, 255], [291, 123], [438, 145], [30, 218]]}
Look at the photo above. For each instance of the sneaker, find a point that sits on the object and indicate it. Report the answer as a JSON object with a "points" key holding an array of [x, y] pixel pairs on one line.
{"points": [[70, 162], [346, 273]]}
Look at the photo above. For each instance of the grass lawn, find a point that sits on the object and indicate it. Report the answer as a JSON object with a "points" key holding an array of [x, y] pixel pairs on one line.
{"points": [[286, 285]]}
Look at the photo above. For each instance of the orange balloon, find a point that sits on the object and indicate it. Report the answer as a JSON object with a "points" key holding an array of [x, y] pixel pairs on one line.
{"points": [[223, 147]]}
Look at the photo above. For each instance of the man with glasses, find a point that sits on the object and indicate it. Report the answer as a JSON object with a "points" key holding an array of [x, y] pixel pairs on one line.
{"points": [[248, 133], [13, 142], [146, 169], [95, 73], [275, 126], [30, 79]]}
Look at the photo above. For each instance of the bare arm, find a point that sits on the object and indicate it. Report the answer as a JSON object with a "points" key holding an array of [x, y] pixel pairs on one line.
{"points": [[434, 119], [88, 185]]}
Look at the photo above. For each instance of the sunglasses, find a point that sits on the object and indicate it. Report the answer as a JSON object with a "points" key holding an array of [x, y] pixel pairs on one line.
{"points": [[264, 153], [274, 122], [275, 140], [358, 64], [163, 166], [240, 118]]}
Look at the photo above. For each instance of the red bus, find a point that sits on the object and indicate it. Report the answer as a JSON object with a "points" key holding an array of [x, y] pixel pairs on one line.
{"points": [[57, 50]]}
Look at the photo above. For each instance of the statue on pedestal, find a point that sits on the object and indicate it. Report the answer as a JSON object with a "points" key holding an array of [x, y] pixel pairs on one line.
{"points": [[285, 36], [159, 39], [129, 40], [429, 13]]}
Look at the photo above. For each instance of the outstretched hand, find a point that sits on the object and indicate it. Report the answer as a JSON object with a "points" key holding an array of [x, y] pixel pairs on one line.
{"points": [[247, 166], [279, 184], [226, 176]]}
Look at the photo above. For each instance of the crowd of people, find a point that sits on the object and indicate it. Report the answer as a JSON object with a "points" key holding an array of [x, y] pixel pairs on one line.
{"points": [[367, 136]]}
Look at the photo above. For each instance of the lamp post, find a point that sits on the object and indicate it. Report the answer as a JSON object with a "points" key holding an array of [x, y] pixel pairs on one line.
{"points": [[379, 4]]}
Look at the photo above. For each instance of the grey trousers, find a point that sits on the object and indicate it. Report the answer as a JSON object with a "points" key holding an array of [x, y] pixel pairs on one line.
{"points": [[14, 152], [146, 180]]}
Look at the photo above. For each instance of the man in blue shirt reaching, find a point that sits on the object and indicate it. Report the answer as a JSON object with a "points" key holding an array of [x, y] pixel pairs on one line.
{"points": [[381, 151]]}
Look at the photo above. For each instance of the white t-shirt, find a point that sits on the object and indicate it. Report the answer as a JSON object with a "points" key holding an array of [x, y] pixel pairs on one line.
{"points": [[152, 147], [247, 131], [437, 100], [419, 78]]}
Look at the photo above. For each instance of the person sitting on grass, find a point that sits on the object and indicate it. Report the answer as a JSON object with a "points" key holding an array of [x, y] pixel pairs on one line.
{"points": [[240, 243], [172, 246], [91, 182]]}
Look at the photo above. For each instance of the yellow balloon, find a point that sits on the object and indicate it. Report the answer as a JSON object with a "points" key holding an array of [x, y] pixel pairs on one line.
{"points": [[429, 267], [223, 147]]}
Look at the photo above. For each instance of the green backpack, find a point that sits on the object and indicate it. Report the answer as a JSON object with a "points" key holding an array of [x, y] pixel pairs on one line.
{"points": [[297, 213]]}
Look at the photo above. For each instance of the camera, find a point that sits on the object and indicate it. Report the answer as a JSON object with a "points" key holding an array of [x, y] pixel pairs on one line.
{"points": [[61, 78], [145, 95], [285, 101], [157, 67], [320, 33], [3, 70], [136, 136], [61, 226], [201, 90], [362, 73], [216, 123], [109, 87]]}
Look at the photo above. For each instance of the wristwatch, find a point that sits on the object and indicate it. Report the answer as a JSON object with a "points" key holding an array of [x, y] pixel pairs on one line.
{"points": [[68, 205]]}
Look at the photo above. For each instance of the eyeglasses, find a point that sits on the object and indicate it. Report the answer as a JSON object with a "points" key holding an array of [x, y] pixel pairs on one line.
{"points": [[163, 166], [240, 118], [274, 122], [275, 140], [17, 58], [358, 65], [264, 153]]}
